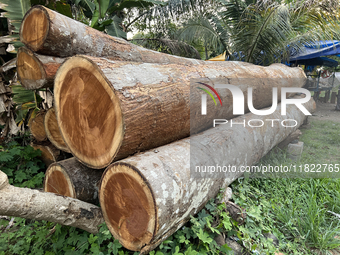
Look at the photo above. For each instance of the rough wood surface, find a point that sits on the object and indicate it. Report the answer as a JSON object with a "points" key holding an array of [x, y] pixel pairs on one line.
{"points": [[53, 132], [49, 153], [36, 71], [34, 204], [101, 104], [51, 33], [147, 197], [37, 128], [73, 179]]}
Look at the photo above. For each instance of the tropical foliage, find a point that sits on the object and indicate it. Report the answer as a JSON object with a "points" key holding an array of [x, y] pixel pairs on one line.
{"points": [[261, 32]]}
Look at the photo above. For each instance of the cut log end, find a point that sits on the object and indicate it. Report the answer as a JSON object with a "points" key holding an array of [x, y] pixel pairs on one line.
{"points": [[57, 181], [34, 28], [128, 206], [53, 132], [88, 112], [37, 128], [49, 154], [30, 70]]}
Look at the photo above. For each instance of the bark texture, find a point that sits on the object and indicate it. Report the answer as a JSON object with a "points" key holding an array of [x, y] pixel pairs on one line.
{"points": [[73, 179], [147, 197], [37, 128], [53, 132], [51, 33], [102, 105], [36, 71], [34, 204]]}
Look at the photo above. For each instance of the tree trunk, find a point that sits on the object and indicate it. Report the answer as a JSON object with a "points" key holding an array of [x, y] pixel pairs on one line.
{"points": [[337, 107], [49, 153], [53, 132], [48, 32], [102, 104], [37, 128], [36, 71], [333, 97], [147, 197], [34, 204], [73, 179]]}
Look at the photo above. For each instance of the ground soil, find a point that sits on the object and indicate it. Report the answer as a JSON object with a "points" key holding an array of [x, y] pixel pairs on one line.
{"points": [[325, 111]]}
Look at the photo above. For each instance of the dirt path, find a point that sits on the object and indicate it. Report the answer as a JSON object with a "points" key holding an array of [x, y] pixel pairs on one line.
{"points": [[325, 111]]}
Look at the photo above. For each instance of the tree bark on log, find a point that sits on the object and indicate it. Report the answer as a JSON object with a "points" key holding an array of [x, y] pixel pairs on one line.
{"points": [[50, 33], [36, 71], [34, 204], [49, 153], [141, 211], [73, 179], [37, 127], [101, 104], [53, 132]]}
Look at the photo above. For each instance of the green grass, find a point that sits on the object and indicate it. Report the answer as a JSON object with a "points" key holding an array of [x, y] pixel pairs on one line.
{"points": [[296, 209]]}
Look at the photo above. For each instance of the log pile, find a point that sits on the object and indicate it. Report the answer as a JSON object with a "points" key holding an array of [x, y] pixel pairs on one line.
{"points": [[116, 100], [47, 137]]}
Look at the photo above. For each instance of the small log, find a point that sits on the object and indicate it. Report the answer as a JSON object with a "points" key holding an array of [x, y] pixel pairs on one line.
{"points": [[51, 33], [49, 153], [36, 71], [101, 104], [73, 179], [147, 197], [38, 205], [53, 132], [37, 128]]}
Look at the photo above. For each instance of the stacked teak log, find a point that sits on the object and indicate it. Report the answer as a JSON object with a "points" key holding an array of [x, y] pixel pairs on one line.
{"points": [[118, 99]]}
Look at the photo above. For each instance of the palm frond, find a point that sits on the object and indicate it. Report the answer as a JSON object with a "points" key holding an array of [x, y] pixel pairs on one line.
{"points": [[211, 31], [268, 30]]}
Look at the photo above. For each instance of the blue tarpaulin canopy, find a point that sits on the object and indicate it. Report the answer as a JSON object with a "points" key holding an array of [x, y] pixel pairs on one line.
{"points": [[310, 55], [318, 49], [320, 61]]}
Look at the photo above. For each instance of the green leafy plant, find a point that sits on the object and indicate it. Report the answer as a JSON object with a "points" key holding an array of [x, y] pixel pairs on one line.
{"points": [[22, 165]]}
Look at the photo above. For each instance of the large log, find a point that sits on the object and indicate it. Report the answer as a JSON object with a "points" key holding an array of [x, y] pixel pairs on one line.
{"points": [[48, 32], [73, 179], [36, 71], [147, 197], [101, 104], [34, 204], [53, 132]]}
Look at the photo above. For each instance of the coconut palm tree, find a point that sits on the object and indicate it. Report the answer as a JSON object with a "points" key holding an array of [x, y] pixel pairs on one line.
{"points": [[266, 31]]}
